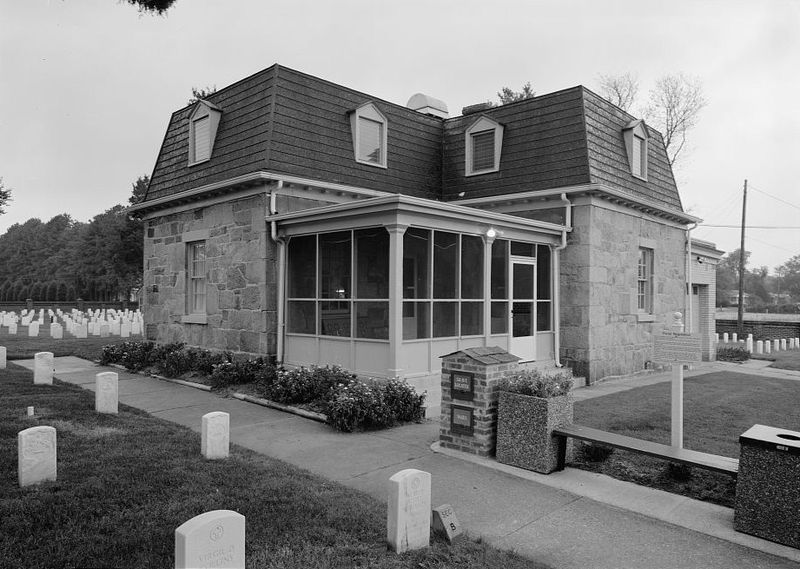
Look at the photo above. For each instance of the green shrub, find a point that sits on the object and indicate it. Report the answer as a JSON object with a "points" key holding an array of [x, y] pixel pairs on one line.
{"points": [[134, 356], [594, 452], [304, 385], [160, 352], [406, 404], [203, 361], [175, 363], [678, 472], [732, 354], [237, 372], [537, 384]]}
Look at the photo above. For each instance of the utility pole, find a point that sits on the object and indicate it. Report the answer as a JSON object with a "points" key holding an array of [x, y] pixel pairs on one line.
{"points": [[740, 318]]}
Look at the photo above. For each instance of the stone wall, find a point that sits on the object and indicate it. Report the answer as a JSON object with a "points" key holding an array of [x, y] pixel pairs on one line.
{"points": [[761, 330], [602, 332], [240, 277]]}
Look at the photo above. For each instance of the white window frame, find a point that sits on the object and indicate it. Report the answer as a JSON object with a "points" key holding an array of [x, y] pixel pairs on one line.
{"points": [[635, 133], [369, 112], [195, 281], [203, 110], [481, 126], [644, 280]]}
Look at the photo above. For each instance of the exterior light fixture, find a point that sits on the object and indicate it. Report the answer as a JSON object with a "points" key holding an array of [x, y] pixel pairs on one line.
{"points": [[491, 233]]}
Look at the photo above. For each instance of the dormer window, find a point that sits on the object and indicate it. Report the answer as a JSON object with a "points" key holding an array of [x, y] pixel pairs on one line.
{"points": [[483, 142], [203, 123], [368, 126], [635, 135]]}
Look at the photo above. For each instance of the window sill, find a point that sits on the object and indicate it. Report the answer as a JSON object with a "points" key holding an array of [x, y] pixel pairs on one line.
{"points": [[645, 318], [194, 319], [199, 162], [639, 177], [374, 164], [480, 172]]}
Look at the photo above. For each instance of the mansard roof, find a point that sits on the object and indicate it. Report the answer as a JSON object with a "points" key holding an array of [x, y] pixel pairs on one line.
{"points": [[283, 121]]}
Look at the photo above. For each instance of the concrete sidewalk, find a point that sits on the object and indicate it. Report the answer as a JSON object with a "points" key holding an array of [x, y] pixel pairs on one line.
{"points": [[571, 519]]}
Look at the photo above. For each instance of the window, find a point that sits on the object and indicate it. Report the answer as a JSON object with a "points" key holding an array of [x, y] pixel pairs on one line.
{"points": [[325, 270], [196, 277], [203, 123], [369, 131], [635, 136], [645, 281], [483, 143]]}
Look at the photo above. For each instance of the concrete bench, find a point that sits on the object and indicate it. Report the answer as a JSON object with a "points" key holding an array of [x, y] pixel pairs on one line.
{"points": [[704, 460]]}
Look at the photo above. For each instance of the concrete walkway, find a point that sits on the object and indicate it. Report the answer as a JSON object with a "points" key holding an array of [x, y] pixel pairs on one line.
{"points": [[572, 519]]}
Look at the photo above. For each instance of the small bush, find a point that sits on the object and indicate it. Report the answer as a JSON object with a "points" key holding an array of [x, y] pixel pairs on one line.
{"points": [[358, 405], [159, 353], [175, 363], [135, 356], [305, 385], [203, 361], [406, 404], [732, 354], [595, 452], [678, 472], [234, 373], [537, 384]]}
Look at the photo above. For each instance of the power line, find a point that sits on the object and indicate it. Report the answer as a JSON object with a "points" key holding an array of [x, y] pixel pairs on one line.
{"points": [[775, 198]]}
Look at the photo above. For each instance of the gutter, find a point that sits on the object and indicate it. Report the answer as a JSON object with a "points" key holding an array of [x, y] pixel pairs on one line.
{"points": [[280, 278], [557, 272]]}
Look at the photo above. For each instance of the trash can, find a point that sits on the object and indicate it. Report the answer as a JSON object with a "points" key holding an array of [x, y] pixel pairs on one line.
{"points": [[768, 485]]}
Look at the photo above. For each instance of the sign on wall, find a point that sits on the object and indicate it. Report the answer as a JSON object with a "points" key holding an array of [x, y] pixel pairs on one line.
{"points": [[461, 420], [462, 385]]}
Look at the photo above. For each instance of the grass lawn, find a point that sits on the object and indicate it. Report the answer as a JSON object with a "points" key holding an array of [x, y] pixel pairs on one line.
{"points": [[782, 360], [21, 346], [718, 407], [126, 481]]}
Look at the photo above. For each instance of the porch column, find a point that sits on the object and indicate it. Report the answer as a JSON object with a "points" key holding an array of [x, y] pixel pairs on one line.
{"points": [[488, 239], [396, 232]]}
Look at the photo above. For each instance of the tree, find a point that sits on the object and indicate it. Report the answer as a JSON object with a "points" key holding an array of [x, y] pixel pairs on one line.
{"points": [[5, 196], [675, 105], [673, 108], [139, 189], [152, 6], [201, 93], [789, 277], [507, 95], [619, 89]]}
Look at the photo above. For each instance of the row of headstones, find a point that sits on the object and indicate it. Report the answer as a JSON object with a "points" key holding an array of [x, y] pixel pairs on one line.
{"points": [[761, 346], [217, 538], [96, 323]]}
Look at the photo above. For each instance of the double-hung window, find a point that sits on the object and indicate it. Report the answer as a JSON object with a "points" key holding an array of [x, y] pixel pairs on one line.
{"points": [[636, 141], [644, 281], [203, 124], [196, 277], [483, 142], [369, 131]]}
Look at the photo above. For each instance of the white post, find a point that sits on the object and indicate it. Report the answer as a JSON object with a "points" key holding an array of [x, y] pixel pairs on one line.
{"points": [[396, 233], [677, 405]]}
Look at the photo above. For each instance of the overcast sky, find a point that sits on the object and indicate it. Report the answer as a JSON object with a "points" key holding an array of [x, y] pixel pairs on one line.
{"points": [[87, 86]]}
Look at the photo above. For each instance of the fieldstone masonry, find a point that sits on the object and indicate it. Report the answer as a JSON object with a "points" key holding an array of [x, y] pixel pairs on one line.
{"points": [[469, 398]]}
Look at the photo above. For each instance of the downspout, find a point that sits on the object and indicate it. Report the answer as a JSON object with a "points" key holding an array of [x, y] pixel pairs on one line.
{"points": [[688, 302], [557, 274], [280, 281]]}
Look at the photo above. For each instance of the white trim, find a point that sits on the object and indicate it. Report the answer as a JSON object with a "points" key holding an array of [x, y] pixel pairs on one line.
{"points": [[482, 125], [202, 110], [633, 131]]}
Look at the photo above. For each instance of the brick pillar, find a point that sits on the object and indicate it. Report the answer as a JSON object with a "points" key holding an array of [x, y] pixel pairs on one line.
{"points": [[469, 398]]}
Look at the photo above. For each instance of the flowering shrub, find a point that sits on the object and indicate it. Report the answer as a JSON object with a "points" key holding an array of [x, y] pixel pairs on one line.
{"points": [[537, 384], [305, 385], [732, 354], [203, 361], [245, 371], [360, 405], [135, 356]]}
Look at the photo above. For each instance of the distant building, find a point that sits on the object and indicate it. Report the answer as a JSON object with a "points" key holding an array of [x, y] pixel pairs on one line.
{"points": [[290, 216]]}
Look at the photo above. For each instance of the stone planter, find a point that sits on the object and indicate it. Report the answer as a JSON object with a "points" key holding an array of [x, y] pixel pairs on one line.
{"points": [[524, 430]]}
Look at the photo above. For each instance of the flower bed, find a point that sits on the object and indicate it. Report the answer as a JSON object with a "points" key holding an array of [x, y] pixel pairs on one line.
{"points": [[349, 403]]}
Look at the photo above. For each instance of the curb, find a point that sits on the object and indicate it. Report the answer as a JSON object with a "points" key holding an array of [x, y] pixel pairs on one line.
{"points": [[319, 417]]}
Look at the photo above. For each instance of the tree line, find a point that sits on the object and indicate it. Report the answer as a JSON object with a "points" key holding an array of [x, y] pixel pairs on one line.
{"points": [[62, 260], [765, 293]]}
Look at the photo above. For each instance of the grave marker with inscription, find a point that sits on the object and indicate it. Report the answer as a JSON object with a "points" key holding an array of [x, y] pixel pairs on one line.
{"points": [[2, 357], [36, 455], [43, 368], [215, 435], [445, 522], [408, 524], [106, 393], [213, 539]]}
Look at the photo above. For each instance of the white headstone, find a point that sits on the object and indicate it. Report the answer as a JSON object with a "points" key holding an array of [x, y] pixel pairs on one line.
{"points": [[81, 331], [33, 329], [43, 368], [759, 346], [2, 357], [767, 347], [12, 328], [36, 455], [212, 539], [106, 393], [30, 411], [783, 344], [215, 435], [749, 344], [408, 524], [56, 331], [125, 329], [725, 337], [776, 345], [734, 337]]}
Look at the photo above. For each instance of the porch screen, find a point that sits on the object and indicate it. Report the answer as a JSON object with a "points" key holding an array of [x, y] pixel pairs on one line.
{"points": [[338, 284]]}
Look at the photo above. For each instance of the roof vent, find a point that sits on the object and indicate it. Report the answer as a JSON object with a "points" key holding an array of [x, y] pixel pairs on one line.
{"points": [[428, 106], [477, 108]]}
